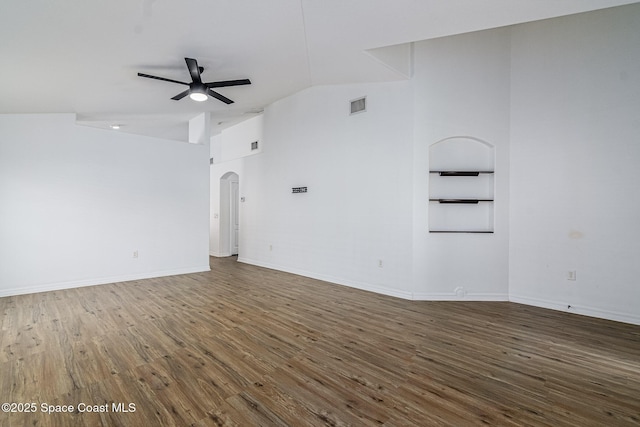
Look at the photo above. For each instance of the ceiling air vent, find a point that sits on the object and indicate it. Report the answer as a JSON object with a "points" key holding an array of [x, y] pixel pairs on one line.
{"points": [[359, 105]]}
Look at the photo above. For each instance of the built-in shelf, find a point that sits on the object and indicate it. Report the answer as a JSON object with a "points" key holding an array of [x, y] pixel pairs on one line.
{"points": [[460, 173], [463, 231], [461, 186], [463, 201]]}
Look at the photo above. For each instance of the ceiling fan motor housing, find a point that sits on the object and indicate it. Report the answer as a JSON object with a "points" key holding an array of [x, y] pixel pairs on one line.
{"points": [[197, 88]]}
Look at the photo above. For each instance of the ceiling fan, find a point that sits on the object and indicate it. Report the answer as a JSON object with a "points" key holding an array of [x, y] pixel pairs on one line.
{"points": [[198, 90]]}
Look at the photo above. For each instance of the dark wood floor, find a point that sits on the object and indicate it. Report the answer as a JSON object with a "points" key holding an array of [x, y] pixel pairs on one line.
{"points": [[248, 346]]}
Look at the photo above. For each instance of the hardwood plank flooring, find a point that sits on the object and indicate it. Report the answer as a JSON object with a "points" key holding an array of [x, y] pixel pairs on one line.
{"points": [[248, 346]]}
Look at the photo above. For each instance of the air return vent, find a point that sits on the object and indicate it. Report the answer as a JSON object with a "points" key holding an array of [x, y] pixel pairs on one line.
{"points": [[359, 105]]}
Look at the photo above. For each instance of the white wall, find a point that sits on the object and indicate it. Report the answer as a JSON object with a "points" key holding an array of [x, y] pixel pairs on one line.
{"points": [[575, 156], [235, 142], [227, 150], [357, 211], [461, 88], [559, 101], [76, 202]]}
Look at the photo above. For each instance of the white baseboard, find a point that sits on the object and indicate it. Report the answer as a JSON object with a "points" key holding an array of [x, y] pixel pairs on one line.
{"points": [[632, 318], [452, 296], [219, 254], [382, 290], [332, 279], [99, 281]]}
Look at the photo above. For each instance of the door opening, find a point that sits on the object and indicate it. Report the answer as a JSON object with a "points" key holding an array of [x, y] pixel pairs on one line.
{"points": [[229, 214], [234, 217]]}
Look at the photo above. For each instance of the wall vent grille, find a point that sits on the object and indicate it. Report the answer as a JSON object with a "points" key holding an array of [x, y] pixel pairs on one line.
{"points": [[359, 105], [254, 145]]}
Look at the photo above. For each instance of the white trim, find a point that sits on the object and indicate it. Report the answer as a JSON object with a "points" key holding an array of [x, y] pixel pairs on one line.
{"points": [[451, 296], [220, 254], [599, 313], [99, 281], [379, 289], [327, 278]]}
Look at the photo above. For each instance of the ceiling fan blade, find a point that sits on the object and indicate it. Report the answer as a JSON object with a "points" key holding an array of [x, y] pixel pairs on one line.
{"points": [[181, 95], [192, 64], [229, 83], [161, 78], [216, 95]]}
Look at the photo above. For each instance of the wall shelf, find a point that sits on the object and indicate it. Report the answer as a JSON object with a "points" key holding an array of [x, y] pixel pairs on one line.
{"points": [[460, 173], [461, 186], [463, 231], [462, 201]]}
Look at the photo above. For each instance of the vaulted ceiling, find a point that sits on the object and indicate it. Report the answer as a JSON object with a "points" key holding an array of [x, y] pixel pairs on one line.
{"points": [[79, 56]]}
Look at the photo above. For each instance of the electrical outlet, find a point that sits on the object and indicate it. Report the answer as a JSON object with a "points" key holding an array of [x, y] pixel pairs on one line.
{"points": [[571, 275], [135, 254]]}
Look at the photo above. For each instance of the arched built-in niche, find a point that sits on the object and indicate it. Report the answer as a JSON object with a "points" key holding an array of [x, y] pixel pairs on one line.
{"points": [[461, 185], [229, 213]]}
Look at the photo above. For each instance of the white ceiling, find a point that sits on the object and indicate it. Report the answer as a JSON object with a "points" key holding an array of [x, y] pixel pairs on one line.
{"points": [[80, 56]]}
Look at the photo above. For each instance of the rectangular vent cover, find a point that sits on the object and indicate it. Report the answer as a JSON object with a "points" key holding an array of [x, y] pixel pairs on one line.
{"points": [[254, 145], [359, 105]]}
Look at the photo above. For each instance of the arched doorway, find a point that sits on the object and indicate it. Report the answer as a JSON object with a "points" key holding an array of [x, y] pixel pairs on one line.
{"points": [[229, 213]]}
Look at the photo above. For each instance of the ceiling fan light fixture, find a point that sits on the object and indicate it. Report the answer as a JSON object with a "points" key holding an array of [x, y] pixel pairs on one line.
{"points": [[198, 96]]}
